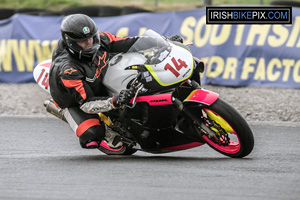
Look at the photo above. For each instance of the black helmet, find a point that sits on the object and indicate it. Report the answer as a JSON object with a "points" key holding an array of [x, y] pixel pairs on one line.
{"points": [[80, 27]]}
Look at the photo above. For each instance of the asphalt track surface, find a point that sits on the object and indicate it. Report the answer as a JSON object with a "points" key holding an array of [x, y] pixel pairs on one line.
{"points": [[40, 158]]}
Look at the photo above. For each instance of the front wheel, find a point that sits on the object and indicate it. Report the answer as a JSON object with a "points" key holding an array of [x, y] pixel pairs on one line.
{"points": [[226, 130]]}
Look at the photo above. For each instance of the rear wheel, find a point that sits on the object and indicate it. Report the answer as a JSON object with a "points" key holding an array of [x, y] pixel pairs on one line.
{"points": [[228, 132]]}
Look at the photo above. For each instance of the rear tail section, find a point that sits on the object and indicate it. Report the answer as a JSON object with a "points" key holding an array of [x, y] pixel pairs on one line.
{"points": [[41, 74]]}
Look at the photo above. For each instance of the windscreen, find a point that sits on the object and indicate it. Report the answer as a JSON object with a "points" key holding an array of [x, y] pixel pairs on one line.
{"points": [[153, 46]]}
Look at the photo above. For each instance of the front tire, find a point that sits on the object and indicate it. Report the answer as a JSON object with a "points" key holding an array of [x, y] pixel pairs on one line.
{"points": [[241, 140]]}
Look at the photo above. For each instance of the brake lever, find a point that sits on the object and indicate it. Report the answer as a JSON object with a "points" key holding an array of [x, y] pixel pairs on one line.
{"points": [[139, 87]]}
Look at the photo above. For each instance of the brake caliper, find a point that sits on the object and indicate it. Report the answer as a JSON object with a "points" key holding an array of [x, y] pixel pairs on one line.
{"points": [[221, 136]]}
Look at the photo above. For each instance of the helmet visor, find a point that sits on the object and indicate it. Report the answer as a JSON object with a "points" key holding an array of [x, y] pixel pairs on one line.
{"points": [[84, 46]]}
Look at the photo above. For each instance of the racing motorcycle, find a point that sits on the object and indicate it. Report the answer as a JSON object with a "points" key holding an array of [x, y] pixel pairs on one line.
{"points": [[170, 110]]}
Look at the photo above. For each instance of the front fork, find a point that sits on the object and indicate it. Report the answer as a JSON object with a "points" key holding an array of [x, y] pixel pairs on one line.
{"points": [[191, 109], [194, 120]]}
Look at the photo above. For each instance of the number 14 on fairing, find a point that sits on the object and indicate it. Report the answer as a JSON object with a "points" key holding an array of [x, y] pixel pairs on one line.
{"points": [[178, 65]]}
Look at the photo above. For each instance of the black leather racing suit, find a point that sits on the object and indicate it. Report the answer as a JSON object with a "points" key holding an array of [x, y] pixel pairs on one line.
{"points": [[76, 86]]}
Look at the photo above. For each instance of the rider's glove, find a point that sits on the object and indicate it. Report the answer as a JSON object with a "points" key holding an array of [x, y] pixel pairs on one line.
{"points": [[122, 98], [176, 38]]}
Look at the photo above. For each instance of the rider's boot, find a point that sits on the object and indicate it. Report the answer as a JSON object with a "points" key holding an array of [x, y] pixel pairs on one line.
{"points": [[112, 138]]}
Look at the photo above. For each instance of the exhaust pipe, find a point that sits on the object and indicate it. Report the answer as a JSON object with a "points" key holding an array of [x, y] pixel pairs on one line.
{"points": [[56, 111]]}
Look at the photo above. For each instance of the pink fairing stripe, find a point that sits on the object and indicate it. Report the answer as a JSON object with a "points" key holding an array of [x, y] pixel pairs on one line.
{"points": [[184, 146], [155, 100], [103, 144], [203, 96]]}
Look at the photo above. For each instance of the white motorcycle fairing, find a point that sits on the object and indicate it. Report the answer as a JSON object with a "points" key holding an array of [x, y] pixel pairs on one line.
{"points": [[161, 63], [116, 77], [175, 68]]}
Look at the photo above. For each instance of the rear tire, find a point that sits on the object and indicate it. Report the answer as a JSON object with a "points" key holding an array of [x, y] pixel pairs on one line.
{"points": [[240, 129]]}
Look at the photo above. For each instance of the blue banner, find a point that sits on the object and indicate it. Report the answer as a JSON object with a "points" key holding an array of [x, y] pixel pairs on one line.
{"points": [[235, 55]]}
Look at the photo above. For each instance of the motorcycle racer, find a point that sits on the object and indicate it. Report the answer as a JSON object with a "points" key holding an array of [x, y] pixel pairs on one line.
{"points": [[79, 63]]}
